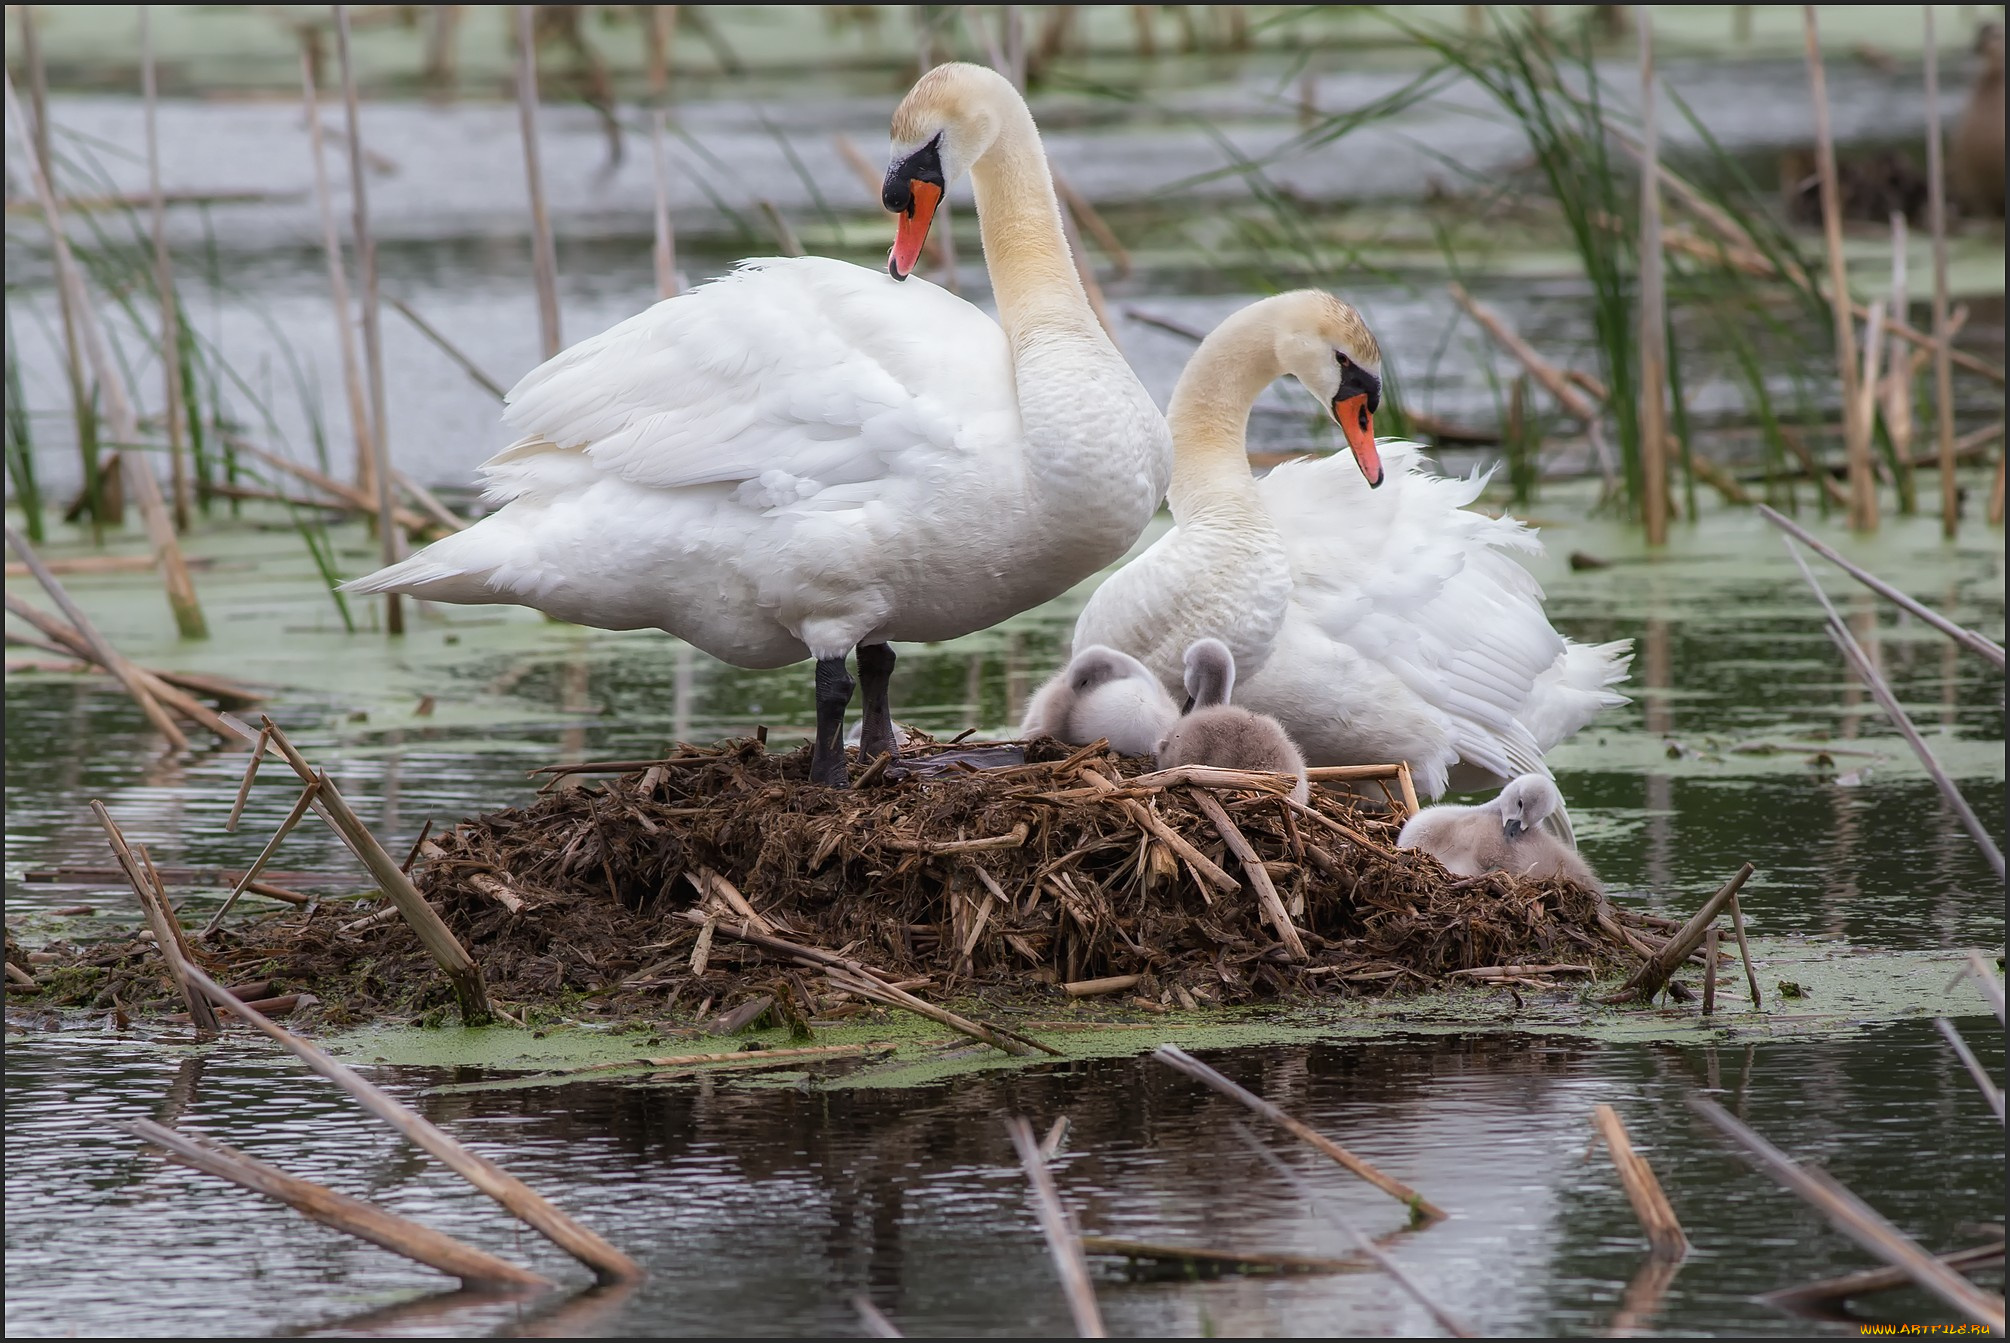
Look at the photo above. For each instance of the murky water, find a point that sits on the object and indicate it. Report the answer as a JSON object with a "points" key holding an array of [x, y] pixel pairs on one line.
{"points": [[763, 1211]]}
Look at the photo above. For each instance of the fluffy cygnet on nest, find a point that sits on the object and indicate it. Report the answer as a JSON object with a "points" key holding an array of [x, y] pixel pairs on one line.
{"points": [[1215, 732], [1501, 835], [1102, 693]]}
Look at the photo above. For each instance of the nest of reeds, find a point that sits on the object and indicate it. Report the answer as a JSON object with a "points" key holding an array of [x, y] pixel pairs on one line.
{"points": [[622, 892], [1074, 866]]}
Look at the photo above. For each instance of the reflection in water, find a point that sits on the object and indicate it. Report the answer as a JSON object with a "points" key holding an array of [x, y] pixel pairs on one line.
{"points": [[1659, 714], [764, 1209]]}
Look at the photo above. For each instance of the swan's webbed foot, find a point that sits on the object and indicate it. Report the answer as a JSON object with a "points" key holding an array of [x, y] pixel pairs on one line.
{"points": [[875, 670], [834, 687]]}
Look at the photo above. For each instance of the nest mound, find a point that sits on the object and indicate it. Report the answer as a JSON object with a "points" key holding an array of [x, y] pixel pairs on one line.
{"points": [[1056, 867], [1062, 869]]}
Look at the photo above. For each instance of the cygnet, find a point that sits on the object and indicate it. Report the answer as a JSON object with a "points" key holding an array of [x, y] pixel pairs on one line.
{"points": [[1215, 732], [1502, 835], [1102, 693]]}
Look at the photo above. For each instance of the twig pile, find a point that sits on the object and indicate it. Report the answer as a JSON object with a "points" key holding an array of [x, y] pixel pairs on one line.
{"points": [[1066, 869], [719, 884]]}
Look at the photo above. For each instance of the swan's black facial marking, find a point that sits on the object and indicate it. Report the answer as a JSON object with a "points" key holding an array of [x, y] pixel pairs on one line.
{"points": [[1357, 381], [924, 165]]}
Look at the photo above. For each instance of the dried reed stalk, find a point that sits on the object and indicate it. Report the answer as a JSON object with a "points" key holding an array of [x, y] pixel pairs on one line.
{"points": [[1967, 638], [83, 411], [449, 349], [1867, 672], [1744, 952], [1206, 872], [875, 985], [160, 917], [1990, 1091], [1858, 1220], [1710, 973], [1643, 1191], [462, 973], [101, 652], [1447, 1321], [1422, 1210], [119, 414], [662, 25], [608, 1264], [346, 495], [1943, 337], [1856, 433], [1553, 379], [1653, 407], [400, 1235], [1649, 978], [1830, 1292], [1259, 876], [1062, 1238], [307, 797], [159, 686], [338, 289], [164, 282], [391, 541], [1986, 980], [544, 256], [424, 498]]}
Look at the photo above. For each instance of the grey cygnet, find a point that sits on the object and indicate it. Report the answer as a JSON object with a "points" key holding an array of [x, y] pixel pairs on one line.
{"points": [[1215, 732]]}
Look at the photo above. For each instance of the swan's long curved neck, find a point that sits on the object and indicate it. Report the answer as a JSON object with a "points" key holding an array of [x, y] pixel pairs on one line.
{"points": [[1033, 273], [1210, 418]]}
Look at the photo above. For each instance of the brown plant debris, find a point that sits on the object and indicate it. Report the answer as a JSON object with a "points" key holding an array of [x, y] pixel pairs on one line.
{"points": [[949, 881]]}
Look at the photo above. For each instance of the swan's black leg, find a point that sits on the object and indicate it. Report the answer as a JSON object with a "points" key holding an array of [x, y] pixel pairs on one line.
{"points": [[875, 669], [834, 686]]}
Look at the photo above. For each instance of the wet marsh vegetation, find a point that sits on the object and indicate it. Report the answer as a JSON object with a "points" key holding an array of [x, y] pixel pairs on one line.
{"points": [[776, 1130]]}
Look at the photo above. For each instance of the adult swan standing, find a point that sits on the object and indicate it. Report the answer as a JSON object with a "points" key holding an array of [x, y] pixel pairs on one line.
{"points": [[805, 457], [1384, 626]]}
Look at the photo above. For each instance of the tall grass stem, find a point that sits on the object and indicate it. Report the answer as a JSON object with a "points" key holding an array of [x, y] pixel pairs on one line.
{"points": [[1856, 433], [338, 287], [1936, 214], [391, 540], [124, 423], [164, 281], [544, 257], [1653, 406]]}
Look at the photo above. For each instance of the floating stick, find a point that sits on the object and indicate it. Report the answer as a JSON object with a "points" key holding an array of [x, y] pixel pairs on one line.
{"points": [[1858, 1220]]}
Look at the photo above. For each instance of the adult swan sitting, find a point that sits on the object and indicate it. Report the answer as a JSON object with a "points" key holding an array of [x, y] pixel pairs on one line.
{"points": [[1376, 627], [805, 457]]}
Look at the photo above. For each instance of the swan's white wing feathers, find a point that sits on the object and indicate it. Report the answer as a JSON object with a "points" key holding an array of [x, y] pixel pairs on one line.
{"points": [[1411, 579], [787, 378]]}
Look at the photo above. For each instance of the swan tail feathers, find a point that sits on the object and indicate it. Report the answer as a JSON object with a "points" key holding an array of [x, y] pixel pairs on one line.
{"points": [[430, 574], [1575, 689]]}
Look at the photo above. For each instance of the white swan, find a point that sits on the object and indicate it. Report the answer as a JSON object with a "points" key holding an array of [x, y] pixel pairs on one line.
{"points": [[1102, 693], [1391, 625], [1214, 732], [1500, 835], [806, 457]]}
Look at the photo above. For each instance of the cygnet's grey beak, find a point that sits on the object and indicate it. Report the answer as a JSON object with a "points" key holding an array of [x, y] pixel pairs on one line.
{"points": [[1514, 827]]}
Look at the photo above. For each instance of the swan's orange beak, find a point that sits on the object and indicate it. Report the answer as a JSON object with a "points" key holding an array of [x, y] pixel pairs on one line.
{"points": [[912, 231], [913, 191], [1356, 419]]}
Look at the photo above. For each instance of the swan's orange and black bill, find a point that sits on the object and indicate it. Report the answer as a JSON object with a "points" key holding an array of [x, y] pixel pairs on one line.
{"points": [[1357, 420], [912, 230], [913, 191]]}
